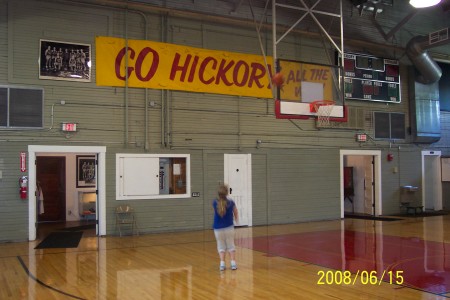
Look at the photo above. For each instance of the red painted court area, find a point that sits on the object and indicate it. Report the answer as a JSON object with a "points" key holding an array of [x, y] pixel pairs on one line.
{"points": [[422, 264]]}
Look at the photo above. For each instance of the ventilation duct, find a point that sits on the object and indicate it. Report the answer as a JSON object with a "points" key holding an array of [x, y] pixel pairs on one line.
{"points": [[424, 87], [429, 71]]}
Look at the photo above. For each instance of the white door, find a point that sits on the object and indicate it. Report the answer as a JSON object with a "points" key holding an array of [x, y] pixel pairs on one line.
{"points": [[237, 174], [431, 180], [368, 185]]}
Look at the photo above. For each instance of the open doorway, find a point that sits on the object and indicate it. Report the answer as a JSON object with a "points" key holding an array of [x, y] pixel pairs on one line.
{"points": [[51, 182], [66, 193], [50, 163], [365, 169]]}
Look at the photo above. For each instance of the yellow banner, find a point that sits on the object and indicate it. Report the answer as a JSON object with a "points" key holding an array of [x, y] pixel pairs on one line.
{"points": [[306, 82], [167, 66]]}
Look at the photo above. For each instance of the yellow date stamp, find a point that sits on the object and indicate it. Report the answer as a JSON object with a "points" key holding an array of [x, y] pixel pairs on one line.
{"points": [[363, 277]]}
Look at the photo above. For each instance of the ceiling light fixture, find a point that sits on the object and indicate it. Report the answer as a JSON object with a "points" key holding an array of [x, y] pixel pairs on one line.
{"points": [[423, 3]]}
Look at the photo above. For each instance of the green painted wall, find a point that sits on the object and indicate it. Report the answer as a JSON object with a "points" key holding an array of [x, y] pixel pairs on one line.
{"points": [[295, 168]]}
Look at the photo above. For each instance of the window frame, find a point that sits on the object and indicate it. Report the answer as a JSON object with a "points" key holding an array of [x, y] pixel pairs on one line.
{"points": [[120, 180], [389, 127], [8, 108]]}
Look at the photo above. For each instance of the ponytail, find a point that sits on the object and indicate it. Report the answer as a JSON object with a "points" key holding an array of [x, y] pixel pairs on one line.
{"points": [[222, 201]]}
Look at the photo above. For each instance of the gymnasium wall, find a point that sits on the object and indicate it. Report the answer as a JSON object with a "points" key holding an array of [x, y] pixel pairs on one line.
{"points": [[296, 175], [13, 210]]}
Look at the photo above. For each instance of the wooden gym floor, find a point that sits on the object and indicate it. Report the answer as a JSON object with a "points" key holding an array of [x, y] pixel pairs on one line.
{"points": [[341, 259]]}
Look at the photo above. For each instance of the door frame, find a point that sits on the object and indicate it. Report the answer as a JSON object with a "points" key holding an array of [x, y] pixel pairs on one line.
{"points": [[101, 175], [249, 181], [438, 184], [377, 177]]}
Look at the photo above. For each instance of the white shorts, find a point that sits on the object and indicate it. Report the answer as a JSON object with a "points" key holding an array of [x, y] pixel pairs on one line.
{"points": [[225, 239]]}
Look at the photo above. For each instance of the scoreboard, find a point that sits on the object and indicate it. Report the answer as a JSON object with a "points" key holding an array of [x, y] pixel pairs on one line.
{"points": [[371, 78]]}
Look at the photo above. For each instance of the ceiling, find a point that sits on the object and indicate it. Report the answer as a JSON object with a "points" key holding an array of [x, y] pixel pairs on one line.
{"points": [[390, 24]]}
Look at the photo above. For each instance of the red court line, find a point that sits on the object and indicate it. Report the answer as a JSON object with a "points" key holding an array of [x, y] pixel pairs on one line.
{"points": [[423, 264]]}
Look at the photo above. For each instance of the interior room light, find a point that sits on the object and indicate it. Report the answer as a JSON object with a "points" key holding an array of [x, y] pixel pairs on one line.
{"points": [[423, 3], [89, 197]]}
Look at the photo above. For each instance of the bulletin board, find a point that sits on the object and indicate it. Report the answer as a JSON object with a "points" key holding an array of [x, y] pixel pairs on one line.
{"points": [[445, 168]]}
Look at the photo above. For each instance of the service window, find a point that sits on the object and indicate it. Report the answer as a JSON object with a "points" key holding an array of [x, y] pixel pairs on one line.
{"points": [[152, 176]]}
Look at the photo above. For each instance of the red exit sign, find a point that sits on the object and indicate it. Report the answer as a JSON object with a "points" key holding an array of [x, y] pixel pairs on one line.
{"points": [[70, 127]]}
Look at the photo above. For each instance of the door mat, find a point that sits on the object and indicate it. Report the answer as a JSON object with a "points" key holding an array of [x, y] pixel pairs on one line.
{"points": [[425, 214], [78, 228], [63, 239], [371, 218]]}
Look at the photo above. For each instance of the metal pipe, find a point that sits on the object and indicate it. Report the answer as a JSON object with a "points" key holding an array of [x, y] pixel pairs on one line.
{"points": [[263, 52], [429, 71], [163, 122], [274, 34], [341, 84], [126, 77], [146, 119], [168, 111], [52, 117], [163, 92]]}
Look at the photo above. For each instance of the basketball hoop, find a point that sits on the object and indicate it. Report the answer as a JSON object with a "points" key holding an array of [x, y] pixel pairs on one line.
{"points": [[323, 109]]}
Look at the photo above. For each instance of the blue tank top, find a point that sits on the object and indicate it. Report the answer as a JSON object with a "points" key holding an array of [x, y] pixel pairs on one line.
{"points": [[227, 219]]}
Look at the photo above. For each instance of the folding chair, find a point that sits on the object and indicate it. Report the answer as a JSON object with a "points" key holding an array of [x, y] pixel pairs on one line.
{"points": [[125, 217]]}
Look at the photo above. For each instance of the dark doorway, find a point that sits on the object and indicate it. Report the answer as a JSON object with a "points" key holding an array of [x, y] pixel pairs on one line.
{"points": [[51, 176]]}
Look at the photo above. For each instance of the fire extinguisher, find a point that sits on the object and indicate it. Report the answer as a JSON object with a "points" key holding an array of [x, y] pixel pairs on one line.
{"points": [[23, 187]]}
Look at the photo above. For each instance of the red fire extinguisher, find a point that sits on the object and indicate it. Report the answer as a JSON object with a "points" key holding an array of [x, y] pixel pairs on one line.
{"points": [[23, 187]]}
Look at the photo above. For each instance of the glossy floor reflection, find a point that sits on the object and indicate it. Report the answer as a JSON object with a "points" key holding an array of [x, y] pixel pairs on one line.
{"points": [[274, 262], [408, 261]]}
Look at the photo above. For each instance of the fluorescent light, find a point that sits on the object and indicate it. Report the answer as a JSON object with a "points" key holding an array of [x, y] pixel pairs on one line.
{"points": [[423, 3]]}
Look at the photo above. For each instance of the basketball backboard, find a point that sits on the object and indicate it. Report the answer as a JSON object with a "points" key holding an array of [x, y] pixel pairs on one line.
{"points": [[306, 83]]}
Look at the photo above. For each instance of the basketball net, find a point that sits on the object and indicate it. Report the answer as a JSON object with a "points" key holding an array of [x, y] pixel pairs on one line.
{"points": [[323, 110]]}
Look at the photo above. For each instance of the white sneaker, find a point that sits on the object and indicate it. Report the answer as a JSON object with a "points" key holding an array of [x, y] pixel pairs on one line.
{"points": [[222, 267], [233, 266]]}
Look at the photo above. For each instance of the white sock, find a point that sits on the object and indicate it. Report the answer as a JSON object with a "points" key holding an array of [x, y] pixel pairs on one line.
{"points": [[222, 263]]}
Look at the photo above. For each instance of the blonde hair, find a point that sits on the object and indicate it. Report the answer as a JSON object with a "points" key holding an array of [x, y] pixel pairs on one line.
{"points": [[222, 201]]}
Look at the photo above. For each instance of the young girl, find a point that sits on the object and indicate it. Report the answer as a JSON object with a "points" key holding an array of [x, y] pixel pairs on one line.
{"points": [[224, 212]]}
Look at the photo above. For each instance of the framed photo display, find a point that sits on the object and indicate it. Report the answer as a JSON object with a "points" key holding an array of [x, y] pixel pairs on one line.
{"points": [[64, 61], [86, 171]]}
